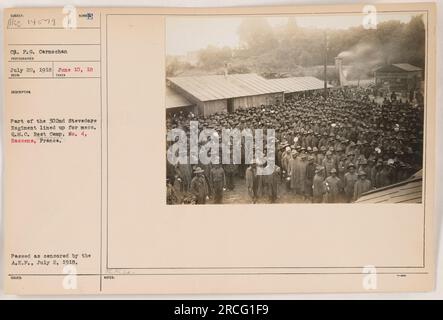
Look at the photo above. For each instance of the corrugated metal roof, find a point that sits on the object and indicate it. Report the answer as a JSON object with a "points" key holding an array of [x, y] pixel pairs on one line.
{"points": [[398, 67], [174, 99], [216, 87], [409, 191], [407, 67], [297, 84]]}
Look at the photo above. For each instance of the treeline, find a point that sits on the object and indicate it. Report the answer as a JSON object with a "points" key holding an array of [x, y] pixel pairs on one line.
{"points": [[294, 50]]}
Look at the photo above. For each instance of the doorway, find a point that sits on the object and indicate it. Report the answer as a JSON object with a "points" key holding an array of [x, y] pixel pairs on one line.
{"points": [[230, 105]]}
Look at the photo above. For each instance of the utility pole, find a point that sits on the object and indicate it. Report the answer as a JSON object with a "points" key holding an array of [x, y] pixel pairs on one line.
{"points": [[325, 54]]}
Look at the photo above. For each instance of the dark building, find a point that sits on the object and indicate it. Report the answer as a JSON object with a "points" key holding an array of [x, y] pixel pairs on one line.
{"points": [[402, 77]]}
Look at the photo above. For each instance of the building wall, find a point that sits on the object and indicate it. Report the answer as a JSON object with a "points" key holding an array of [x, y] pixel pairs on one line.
{"points": [[399, 81], [206, 108], [301, 94], [210, 107], [217, 106], [253, 101]]}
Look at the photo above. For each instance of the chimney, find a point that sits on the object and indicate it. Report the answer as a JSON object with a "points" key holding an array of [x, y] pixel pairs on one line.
{"points": [[339, 68]]}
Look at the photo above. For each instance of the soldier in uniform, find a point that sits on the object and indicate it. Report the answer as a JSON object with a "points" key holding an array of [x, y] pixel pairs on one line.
{"points": [[321, 156], [349, 181], [341, 166], [318, 186], [347, 120], [374, 171], [199, 187], [230, 171], [384, 176], [292, 170], [218, 182], [171, 196], [301, 174], [309, 180], [207, 173], [178, 187], [333, 187], [252, 181], [184, 172], [329, 163], [272, 182], [286, 156], [362, 185], [315, 154], [323, 141]]}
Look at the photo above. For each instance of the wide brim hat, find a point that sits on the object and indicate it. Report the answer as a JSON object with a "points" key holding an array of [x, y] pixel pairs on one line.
{"points": [[198, 170], [319, 169]]}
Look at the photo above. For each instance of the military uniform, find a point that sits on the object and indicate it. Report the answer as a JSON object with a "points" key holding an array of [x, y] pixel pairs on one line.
{"points": [[271, 183], [329, 164], [333, 187], [199, 188], [218, 182], [309, 181], [318, 188], [252, 183], [230, 171], [360, 187], [349, 182], [348, 120]]}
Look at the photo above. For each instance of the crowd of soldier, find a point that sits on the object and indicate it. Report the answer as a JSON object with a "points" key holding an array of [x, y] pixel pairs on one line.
{"points": [[327, 150]]}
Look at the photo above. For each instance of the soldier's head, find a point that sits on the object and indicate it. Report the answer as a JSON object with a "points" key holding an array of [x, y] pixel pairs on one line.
{"points": [[333, 172], [362, 175], [198, 171], [351, 168]]}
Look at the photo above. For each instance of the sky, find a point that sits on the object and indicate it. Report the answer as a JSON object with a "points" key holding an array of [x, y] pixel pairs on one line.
{"points": [[184, 34]]}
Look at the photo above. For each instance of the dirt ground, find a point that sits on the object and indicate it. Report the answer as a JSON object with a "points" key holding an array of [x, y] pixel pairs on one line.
{"points": [[240, 195]]}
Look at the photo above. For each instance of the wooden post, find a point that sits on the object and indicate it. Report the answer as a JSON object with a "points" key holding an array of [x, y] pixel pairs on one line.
{"points": [[325, 64]]}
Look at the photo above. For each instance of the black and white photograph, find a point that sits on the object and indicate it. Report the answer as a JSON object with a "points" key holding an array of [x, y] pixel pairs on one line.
{"points": [[295, 109], [222, 150]]}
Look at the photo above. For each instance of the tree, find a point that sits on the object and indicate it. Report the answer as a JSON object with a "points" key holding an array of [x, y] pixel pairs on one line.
{"points": [[213, 57], [174, 66], [296, 50], [256, 35], [413, 42]]}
